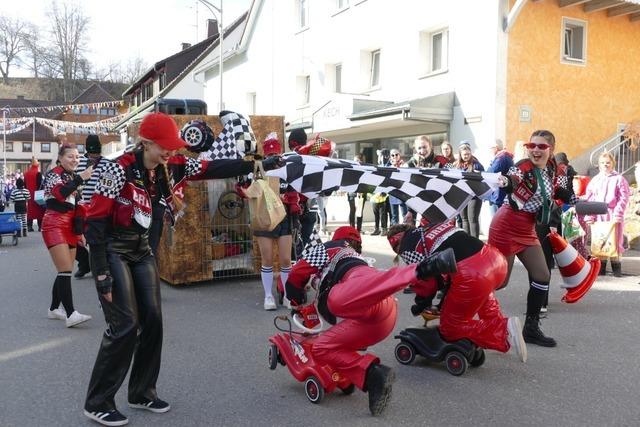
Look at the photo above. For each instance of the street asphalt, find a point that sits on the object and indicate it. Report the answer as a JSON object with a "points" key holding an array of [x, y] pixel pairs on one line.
{"points": [[214, 363]]}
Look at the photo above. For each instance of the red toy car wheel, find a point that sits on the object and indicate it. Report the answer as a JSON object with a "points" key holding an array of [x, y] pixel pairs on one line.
{"points": [[478, 358], [405, 353], [313, 389], [456, 363], [273, 356]]}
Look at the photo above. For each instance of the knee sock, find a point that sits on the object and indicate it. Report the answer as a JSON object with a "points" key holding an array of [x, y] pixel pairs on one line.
{"points": [[267, 280], [284, 275], [55, 295], [536, 296], [64, 291]]}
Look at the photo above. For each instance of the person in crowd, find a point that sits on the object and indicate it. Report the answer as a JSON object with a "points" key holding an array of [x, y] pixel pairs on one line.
{"points": [[93, 157], [398, 207], [62, 230], [297, 139], [379, 200], [355, 202], [610, 187], [20, 197], [469, 292], [123, 265], [532, 185], [281, 233], [471, 213], [33, 182], [447, 152], [10, 185], [501, 163], [362, 297]]}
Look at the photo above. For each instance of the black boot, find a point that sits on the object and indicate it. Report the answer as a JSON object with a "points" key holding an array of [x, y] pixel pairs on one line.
{"points": [[24, 232], [438, 263], [532, 333], [617, 268], [378, 383], [603, 267]]}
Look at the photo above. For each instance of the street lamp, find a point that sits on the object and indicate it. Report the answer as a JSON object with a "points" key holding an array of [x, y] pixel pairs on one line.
{"points": [[211, 8], [5, 110]]}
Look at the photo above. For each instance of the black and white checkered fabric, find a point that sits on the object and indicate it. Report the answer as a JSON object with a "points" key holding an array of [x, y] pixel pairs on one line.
{"points": [[236, 138], [412, 257], [437, 194], [316, 256], [314, 240], [111, 181]]}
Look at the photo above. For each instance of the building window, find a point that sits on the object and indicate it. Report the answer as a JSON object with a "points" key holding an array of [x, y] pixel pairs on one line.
{"points": [[147, 91], [338, 78], [162, 80], [375, 69], [9, 147], [303, 13], [45, 147], [574, 41], [303, 86], [80, 148], [251, 102], [26, 147], [434, 51], [342, 3]]}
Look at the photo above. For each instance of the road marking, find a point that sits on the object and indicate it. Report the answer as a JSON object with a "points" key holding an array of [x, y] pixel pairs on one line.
{"points": [[47, 345]]}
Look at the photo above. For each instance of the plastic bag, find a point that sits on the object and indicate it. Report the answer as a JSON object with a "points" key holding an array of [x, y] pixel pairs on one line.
{"points": [[267, 210], [604, 239], [571, 228]]}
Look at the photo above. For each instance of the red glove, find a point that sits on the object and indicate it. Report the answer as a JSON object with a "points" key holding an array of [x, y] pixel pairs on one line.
{"points": [[240, 189]]}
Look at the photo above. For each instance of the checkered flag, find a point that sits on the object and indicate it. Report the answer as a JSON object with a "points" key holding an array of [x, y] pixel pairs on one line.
{"points": [[437, 194], [314, 240], [236, 138]]}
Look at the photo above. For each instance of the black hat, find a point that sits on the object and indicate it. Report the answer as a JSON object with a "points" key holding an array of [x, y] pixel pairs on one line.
{"points": [[297, 138], [92, 144]]}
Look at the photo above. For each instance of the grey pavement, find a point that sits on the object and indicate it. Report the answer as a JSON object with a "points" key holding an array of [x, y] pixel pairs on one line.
{"points": [[214, 370]]}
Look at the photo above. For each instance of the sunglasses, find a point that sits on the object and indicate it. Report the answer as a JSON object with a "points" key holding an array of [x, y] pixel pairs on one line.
{"points": [[531, 146]]}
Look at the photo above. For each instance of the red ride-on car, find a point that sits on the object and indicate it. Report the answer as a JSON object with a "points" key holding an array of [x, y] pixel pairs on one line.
{"points": [[293, 350]]}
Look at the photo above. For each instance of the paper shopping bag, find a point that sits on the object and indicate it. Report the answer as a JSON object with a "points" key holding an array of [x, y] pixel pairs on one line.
{"points": [[267, 210], [604, 241]]}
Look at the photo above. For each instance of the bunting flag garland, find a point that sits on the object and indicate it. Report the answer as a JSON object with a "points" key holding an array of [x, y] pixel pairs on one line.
{"points": [[93, 105], [437, 194], [16, 129], [61, 126]]}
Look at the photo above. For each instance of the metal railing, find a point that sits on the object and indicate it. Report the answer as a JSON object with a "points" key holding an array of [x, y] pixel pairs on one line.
{"points": [[623, 150]]}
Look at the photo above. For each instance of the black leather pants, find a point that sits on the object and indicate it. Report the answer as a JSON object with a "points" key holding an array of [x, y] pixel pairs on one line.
{"points": [[135, 306]]}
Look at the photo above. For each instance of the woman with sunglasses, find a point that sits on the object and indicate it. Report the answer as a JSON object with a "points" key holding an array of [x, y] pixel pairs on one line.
{"points": [[62, 229], [532, 185], [123, 264]]}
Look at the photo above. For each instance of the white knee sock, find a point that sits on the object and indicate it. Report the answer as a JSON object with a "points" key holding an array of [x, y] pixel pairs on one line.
{"points": [[284, 274], [267, 280]]}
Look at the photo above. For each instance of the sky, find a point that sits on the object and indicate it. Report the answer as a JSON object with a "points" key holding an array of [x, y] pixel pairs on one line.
{"points": [[124, 29]]}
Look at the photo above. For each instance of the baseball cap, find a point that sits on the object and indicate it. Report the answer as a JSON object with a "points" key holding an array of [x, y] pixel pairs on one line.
{"points": [[161, 129]]}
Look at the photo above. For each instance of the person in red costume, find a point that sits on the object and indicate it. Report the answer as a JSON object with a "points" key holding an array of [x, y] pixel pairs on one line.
{"points": [[362, 297], [532, 184], [124, 267], [282, 233], [481, 269], [33, 181]]}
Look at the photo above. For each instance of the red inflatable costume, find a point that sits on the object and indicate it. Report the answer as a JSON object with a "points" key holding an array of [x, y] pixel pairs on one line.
{"points": [[33, 180], [362, 297], [481, 270]]}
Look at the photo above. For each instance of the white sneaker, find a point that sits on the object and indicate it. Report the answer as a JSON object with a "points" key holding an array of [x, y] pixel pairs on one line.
{"points": [[76, 318], [286, 303], [269, 303], [543, 309], [514, 328], [58, 314]]}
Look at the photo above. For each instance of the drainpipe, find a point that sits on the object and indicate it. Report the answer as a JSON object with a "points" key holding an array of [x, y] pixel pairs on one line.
{"points": [[510, 19]]}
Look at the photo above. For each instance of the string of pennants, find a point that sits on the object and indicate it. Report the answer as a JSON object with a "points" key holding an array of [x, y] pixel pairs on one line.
{"points": [[93, 105], [60, 126]]}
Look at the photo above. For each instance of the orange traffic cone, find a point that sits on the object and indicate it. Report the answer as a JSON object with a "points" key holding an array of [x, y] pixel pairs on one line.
{"points": [[577, 274]]}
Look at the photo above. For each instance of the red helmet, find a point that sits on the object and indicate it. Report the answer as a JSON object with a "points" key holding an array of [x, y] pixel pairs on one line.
{"points": [[347, 232]]}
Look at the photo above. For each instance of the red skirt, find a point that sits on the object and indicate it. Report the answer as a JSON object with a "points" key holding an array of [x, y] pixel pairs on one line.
{"points": [[513, 231], [57, 229]]}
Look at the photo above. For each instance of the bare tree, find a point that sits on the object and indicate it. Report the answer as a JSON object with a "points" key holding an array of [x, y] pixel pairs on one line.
{"points": [[133, 70], [36, 57], [12, 34], [69, 36]]}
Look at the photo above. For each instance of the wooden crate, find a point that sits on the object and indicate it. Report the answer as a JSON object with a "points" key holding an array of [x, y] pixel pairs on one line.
{"points": [[185, 254]]}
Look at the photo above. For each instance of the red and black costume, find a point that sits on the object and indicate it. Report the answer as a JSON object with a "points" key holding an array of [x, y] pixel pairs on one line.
{"points": [[358, 294], [33, 182], [481, 270], [530, 198], [61, 197], [118, 222]]}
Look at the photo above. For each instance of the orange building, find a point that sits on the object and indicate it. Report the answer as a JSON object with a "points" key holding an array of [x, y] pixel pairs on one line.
{"points": [[573, 67]]}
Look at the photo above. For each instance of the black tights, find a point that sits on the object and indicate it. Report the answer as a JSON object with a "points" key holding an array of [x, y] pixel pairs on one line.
{"points": [[539, 276], [61, 292], [471, 217]]}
